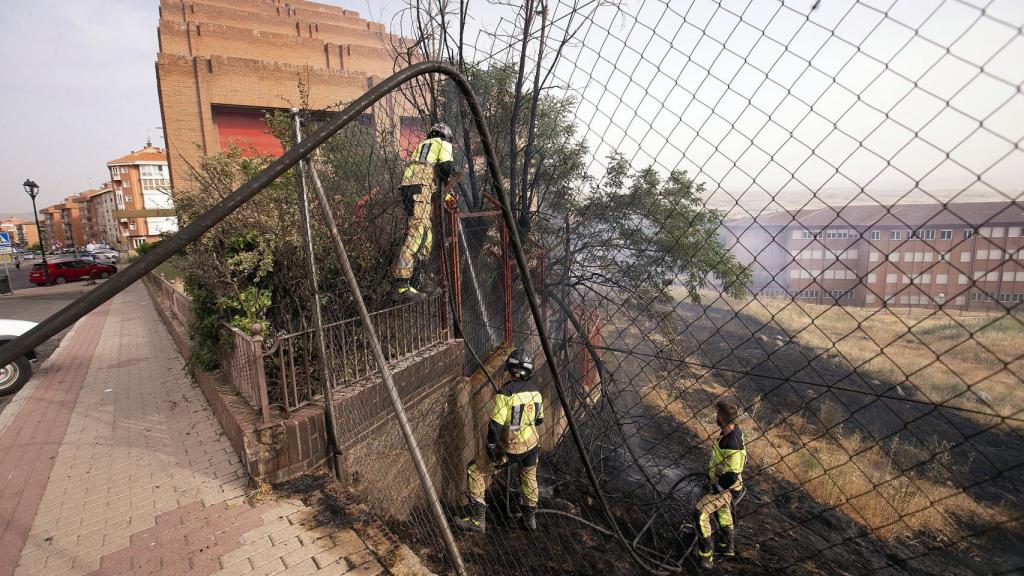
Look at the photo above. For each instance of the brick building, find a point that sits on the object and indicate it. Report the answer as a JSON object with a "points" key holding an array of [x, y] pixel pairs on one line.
{"points": [[142, 202], [223, 64], [962, 255], [100, 225], [22, 233]]}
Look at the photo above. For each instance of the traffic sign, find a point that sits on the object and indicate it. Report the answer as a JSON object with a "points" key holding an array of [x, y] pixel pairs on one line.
{"points": [[5, 239]]}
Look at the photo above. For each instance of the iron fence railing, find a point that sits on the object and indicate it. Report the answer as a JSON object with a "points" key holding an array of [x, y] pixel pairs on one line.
{"points": [[291, 362], [283, 370], [178, 303]]}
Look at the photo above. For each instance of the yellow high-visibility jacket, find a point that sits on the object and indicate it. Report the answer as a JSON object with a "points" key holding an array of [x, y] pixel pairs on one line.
{"points": [[728, 457], [419, 171], [518, 409]]}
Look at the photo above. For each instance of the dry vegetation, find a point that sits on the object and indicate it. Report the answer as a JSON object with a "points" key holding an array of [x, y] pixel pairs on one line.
{"points": [[899, 484], [964, 361]]}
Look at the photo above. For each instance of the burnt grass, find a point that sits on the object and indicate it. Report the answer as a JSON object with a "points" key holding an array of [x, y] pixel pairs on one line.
{"points": [[781, 529], [334, 506]]}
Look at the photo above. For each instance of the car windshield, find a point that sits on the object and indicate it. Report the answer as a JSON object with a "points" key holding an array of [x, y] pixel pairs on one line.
{"points": [[39, 266]]}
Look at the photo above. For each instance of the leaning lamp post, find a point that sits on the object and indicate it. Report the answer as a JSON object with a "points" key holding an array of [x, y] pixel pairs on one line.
{"points": [[32, 189]]}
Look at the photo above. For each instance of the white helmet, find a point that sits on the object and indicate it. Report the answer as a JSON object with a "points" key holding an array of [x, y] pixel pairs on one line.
{"points": [[519, 364], [441, 130]]}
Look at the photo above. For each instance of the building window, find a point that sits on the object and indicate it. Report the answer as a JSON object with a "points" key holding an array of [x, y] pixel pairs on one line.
{"points": [[138, 241], [997, 232], [894, 257], [992, 276], [869, 298], [941, 278], [873, 257], [797, 234], [1013, 231], [968, 233], [965, 256], [890, 278], [876, 235], [871, 278], [894, 235], [946, 235]]}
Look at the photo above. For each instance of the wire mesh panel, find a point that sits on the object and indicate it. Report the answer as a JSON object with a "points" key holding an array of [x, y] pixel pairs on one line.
{"points": [[809, 211]]}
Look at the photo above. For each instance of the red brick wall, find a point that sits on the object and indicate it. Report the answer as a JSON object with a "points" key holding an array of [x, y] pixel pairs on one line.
{"points": [[190, 87]]}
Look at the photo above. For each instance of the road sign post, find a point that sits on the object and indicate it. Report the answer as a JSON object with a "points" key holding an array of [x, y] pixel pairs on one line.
{"points": [[7, 249]]}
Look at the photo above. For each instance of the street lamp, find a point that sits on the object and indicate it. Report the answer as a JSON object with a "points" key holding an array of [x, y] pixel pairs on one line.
{"points": [[32, 189]]}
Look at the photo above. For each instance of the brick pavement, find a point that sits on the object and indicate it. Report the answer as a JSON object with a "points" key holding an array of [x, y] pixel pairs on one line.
{"points": [[116, 465]]}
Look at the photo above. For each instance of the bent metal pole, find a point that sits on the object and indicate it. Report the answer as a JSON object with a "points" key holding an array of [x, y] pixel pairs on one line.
{"points": [[190, 233], [385, 373], [318, 318]]}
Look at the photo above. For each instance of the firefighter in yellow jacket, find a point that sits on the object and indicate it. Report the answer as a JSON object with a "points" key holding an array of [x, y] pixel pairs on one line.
{"points": [[512, 439], [725, 480], [431, 161]]}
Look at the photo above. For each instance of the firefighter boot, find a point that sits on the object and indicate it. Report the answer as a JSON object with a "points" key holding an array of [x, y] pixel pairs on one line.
{"points": [[726, 543], [530, 518], [476, 521], [704, 557], [402, 292]]}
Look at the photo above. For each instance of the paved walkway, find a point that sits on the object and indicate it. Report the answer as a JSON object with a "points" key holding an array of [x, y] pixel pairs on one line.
{"points": [[113, 463]]}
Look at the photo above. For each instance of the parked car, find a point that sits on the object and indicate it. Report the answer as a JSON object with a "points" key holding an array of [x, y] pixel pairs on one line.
{"points": [[29, 256], [14, 375], [100, 257], [69, 270]]}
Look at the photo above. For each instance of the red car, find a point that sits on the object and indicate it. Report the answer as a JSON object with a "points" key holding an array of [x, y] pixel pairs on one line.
{"points": [[69, 270]]}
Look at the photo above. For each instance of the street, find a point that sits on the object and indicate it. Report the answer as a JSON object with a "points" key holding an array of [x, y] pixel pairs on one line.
{"points": [[19, 278], [36, 304]]}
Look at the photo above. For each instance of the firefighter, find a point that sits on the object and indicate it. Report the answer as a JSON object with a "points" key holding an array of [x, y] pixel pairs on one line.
{"points": [[431, 161], [725, 481], [512, 439]]}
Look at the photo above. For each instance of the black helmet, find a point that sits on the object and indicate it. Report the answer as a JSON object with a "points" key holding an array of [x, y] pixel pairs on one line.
{"points": [[441, 130], [519, 365]]}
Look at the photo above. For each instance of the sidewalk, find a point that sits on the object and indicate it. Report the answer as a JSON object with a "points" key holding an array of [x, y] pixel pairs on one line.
{"points": [[114, 464]]}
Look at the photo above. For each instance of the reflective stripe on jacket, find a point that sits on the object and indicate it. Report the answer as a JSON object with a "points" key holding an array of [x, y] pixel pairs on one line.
{"points": [[728, 457], [419, 171], [518, 409]]}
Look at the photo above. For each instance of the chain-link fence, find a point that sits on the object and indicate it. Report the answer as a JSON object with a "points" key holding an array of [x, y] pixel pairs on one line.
{"points": [[810, 210]]}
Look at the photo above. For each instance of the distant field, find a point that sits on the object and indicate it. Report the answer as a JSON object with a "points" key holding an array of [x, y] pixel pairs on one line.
{"points": [[897, 420]]}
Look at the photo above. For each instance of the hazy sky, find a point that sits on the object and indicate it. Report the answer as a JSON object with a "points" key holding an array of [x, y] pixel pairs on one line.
{"points": [[78, 89], [753, 96]]}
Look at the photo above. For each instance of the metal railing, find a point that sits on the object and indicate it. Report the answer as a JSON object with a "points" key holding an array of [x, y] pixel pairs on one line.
{"points": [[242, 362], [283, 371], [290, 360], [179, 303]]}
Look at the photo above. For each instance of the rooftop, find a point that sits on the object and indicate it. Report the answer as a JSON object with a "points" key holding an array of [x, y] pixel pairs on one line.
{"points": [[147, 154], [898, 215]]}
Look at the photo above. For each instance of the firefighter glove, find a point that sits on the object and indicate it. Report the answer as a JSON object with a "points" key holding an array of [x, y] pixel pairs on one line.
{"points": [[451, 201]]}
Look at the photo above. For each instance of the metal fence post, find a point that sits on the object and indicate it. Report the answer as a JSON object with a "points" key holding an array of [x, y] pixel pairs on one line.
{"points": [[318, 321]]}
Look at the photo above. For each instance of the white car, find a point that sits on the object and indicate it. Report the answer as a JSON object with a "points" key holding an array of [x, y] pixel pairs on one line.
{"points": [[100, 257], [14, 375]]}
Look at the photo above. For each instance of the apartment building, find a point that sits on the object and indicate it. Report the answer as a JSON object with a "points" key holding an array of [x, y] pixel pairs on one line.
{"points": [[142, 204], [959, 256], [100, 225], [224, 64], [22, 233], [63, 224]]}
